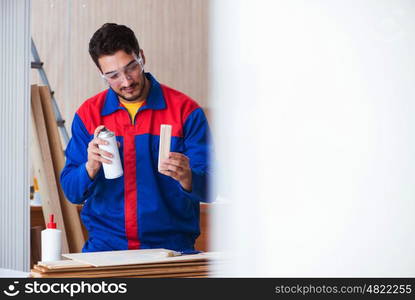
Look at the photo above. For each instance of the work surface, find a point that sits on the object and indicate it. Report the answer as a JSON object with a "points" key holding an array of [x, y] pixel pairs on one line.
{"points": [[132, 263]]}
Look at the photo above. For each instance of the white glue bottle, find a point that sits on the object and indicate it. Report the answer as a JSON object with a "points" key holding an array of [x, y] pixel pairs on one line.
{"points": [[113, 170], [51, 242]]}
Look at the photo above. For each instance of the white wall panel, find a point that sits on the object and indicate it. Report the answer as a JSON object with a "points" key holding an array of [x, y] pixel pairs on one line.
{"points": [[173, 35], [314, 106], [14, 126]]}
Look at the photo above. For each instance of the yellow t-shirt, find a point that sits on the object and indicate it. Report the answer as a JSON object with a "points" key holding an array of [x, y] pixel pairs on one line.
{"points": [[132, 108]]}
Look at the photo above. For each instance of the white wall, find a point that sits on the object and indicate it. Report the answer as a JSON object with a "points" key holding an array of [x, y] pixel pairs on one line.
{"points": [[14, 127], [314, 105], [173, 35]]}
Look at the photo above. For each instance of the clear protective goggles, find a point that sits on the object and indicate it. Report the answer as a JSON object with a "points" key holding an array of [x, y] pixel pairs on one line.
{"points": [[131, 70]]}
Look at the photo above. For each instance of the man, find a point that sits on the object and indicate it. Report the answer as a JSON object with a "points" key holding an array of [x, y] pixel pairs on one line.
{"points": [[144, 208]]}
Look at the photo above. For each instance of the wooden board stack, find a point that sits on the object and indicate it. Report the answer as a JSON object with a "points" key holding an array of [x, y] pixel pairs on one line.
{"points": [[195, 265]]}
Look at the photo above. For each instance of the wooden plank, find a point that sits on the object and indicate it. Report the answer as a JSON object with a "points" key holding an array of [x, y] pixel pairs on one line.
{"points": [[38, 274], [142, 256], [122, 257], [43, 168], [87, 268], [71, 218], [164, 142], [155, 271], [35, 245], [131, 272], [203, 241], [195, 265]]}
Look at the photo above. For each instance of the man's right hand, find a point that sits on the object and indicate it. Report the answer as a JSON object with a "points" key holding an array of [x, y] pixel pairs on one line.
{"points": [[96, 155]]}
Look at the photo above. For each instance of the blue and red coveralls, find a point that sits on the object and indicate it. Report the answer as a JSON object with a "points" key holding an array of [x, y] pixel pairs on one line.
{"points": [[143, 208]]}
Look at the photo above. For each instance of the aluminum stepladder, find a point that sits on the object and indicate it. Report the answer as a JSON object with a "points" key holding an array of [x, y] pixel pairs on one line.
{"points": [[38, 64]]}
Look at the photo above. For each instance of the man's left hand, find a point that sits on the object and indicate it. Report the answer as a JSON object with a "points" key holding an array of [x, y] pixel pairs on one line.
{"points": [[177, 166]]}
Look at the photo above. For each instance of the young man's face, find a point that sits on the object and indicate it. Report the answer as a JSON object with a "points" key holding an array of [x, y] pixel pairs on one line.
{"points": [[124, 73]]}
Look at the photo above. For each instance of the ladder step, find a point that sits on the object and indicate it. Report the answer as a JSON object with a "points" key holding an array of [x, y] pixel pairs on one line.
{"points": [[36, 64], [60, 123]]}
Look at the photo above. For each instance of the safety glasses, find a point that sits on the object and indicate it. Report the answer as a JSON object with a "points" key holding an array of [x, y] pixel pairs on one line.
{"points": [[131, 70]]}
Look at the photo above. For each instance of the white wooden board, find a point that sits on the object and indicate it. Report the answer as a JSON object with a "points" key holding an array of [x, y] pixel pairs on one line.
{"points": [[165, 140], [133, 257]]}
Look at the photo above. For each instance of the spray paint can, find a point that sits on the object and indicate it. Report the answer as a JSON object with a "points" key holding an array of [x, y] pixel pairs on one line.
{"points": [[113, 170]]}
